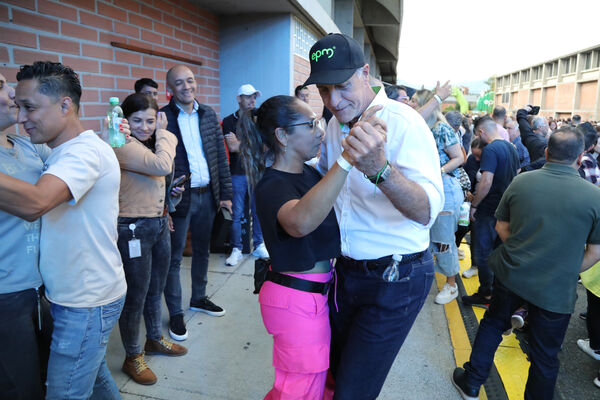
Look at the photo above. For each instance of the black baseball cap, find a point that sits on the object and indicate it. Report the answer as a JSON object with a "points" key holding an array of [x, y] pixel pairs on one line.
{"points": [[333, 59]]}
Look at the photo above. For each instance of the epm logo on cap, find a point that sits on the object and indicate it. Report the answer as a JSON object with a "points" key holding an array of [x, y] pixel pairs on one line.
{"points": [[323, 52]]}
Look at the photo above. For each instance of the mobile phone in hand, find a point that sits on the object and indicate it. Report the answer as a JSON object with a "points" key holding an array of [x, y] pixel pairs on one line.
{"points": [[179, 182]]}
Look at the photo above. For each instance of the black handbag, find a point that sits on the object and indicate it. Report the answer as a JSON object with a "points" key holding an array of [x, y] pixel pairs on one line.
{"points": [[261, 266], [219, 241]]}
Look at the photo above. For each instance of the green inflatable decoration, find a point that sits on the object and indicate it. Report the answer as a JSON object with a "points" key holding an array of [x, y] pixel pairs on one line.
{"points": [[460, 100], [485, 102]]}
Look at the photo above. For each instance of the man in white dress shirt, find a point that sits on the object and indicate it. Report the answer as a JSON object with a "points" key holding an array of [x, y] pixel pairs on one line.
{"points": [[200, 154], [386, 208]]}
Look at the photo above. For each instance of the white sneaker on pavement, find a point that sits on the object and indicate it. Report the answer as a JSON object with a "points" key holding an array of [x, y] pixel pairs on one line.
{"points": [[584, 344], [261, 251], [235, 257], [447, 294], [471, 272]]}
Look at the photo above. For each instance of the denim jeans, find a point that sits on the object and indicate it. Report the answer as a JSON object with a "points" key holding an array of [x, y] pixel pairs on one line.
{"points": [[372, 319], [146, 277], [443, 229], [77, 368], [546, 333], [240, 189], [25, 348], [485, 241], [200, 218]]}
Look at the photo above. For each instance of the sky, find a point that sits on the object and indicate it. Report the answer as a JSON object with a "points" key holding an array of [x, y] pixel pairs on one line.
{"points": [[472, 40]]}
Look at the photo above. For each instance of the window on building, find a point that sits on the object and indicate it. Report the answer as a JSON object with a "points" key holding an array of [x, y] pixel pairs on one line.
{"points": [[552, 69], [304, 38], [596, 61], [570, 64], [515, 78], [586, 60], [537, 73], [525, 75], [505, 97]]}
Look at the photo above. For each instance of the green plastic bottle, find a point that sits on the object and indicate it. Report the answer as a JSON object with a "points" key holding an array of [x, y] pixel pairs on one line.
{"points": [[116, 138]]}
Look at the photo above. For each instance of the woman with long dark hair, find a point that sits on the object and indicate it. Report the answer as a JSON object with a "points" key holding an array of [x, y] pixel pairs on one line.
{"points": [[144, 240], [295, 208]]}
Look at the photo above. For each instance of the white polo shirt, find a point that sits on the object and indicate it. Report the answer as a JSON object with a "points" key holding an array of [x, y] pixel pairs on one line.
{"points": [[189, 126], [80, 262], [370, 226]]}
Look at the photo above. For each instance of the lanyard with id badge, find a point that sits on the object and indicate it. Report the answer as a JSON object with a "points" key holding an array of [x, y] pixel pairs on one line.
{"points": [[135, 248]]}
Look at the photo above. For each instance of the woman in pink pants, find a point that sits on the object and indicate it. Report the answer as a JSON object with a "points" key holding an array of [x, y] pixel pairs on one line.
{"points": [[295, 208]]}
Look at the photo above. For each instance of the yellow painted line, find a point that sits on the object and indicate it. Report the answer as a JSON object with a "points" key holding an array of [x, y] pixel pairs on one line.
{"points": [[510, 361], [458, 333]]}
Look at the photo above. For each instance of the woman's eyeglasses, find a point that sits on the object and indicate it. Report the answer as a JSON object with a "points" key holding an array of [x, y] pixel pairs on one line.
{"points": [[317, 122]]}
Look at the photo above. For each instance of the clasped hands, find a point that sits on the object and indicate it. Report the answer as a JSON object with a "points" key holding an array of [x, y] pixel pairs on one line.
{"points": [[364, 147]]}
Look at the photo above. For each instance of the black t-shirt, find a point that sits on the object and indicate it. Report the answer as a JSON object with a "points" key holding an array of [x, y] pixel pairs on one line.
{"points": [[500, 158], [235, 163], [290, 254]]}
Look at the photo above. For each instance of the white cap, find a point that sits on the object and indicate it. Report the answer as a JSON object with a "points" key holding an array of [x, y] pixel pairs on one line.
{"points": [[248, 90]]}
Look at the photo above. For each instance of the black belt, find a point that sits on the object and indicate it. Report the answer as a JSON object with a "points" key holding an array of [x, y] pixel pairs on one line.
{"points": [[379, 262], [202, 189], [297, 283]]}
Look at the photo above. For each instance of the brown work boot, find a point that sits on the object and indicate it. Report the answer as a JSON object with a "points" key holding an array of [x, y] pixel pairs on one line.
{"points": [[138, 370], [165, 347]]}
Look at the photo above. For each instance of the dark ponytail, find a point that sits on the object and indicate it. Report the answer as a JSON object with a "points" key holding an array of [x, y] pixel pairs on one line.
{"points": [[258, 133]]}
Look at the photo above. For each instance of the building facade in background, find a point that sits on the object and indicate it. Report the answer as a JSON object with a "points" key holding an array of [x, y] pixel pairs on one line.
{"points": [[562, 87], [226, 43]]}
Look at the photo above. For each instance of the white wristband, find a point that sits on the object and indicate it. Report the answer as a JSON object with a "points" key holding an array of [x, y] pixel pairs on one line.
{"points": [[345, 165], [438, 98]]}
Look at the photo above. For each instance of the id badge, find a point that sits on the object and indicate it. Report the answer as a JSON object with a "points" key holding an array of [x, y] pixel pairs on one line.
{"points": [[135, 248]]}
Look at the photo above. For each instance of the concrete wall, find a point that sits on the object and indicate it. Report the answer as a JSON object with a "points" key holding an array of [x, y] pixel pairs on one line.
{"points": [[78, 34], [255, 49]]}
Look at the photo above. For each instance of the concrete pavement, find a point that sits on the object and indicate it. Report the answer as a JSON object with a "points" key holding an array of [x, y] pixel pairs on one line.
{"points": [[229, 357]]}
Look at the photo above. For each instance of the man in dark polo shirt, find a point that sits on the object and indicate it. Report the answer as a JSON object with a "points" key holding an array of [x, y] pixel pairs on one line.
{"points": [[499, 165], [545, 219]]}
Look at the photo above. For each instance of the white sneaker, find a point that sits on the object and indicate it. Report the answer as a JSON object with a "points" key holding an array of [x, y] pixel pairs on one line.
{"points": [[461, 254], [584, 344], [471, 272], [447, 294], [261, 251], [235, 257]]}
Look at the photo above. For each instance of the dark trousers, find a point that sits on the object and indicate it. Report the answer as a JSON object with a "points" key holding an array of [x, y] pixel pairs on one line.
{"points": [[146, 277], [199, 218], [373, 320], [593, 320], [25, 348], [485, 241], [546, 333]]}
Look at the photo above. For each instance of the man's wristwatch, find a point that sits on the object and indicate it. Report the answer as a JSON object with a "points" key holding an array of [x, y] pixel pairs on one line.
{"points": [[381, 175]]}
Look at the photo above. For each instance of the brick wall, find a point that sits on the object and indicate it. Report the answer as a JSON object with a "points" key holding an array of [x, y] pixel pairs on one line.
{"points": [[78, 34], [301, 73]]}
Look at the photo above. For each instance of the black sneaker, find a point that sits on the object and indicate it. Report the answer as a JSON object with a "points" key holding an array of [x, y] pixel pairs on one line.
{"points": [[177, 328], [477, 300], [459, 380], [583, 315], [208, 307]]}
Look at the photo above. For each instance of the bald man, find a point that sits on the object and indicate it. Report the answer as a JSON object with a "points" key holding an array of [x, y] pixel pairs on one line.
{"points": [[201, 155]]}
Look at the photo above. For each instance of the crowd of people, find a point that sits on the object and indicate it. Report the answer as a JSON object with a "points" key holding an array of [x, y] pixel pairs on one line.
{"points": [[355, 210]]}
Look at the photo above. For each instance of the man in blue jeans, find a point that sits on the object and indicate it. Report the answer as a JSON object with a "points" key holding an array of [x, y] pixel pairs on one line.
{"points": [[499, 165], [386, 208], [246, 99], [77, 200], [200, 154], [545, 219]]}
